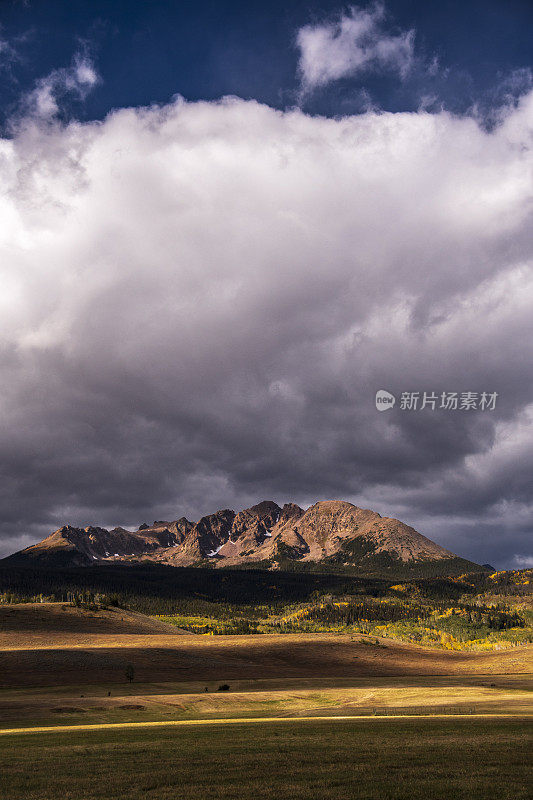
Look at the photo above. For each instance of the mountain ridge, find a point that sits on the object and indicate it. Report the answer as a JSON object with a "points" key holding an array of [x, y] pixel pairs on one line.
{"points": [[334, 533]]}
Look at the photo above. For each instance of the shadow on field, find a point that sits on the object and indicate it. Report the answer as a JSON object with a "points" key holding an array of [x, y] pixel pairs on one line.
{"points": [[194, 658]]}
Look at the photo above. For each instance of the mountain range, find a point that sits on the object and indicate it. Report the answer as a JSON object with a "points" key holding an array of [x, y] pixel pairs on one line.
{"points": [[331, 534]]}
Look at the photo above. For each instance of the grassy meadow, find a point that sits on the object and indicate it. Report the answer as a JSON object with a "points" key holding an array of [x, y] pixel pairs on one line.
{"points": [[438, 669], [382, 759], [82, 705]]}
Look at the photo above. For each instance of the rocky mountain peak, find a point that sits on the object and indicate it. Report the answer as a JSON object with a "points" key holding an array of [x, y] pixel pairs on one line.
{"points": [[333, 532]]}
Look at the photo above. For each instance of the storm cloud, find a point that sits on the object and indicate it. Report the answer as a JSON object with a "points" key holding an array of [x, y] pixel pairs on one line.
{"points": [[200, 300]]}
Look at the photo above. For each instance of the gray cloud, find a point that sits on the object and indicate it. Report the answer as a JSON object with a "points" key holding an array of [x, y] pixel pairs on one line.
{"points": [[199, 302]]}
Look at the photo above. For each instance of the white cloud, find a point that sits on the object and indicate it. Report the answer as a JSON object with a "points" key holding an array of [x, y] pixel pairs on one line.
{"points": [[8, 54], [202, 299], [355, 43], [523, 562], [75, 81]]}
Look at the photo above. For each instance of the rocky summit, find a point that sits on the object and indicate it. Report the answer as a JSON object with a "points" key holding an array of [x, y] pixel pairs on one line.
{"points": [[331, 534]]}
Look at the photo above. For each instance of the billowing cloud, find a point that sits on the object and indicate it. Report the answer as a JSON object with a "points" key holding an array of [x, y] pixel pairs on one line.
{"points": [[200, 300], [356, 42]]}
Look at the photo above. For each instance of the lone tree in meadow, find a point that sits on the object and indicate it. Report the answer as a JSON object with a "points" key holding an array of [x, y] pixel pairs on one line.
{"points": [[130, 672]]}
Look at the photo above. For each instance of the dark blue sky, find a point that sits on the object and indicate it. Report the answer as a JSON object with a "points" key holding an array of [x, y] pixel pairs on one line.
{"points": [[148, 51]]}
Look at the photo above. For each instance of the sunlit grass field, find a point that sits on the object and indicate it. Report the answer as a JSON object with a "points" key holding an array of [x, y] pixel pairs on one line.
{"points": [[65, 666], [374, 759], [298, 697]]}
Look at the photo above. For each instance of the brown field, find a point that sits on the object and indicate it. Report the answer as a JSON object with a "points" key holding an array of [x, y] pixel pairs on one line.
{"points": [[62, 665], [29, 625], [78, 658]]}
